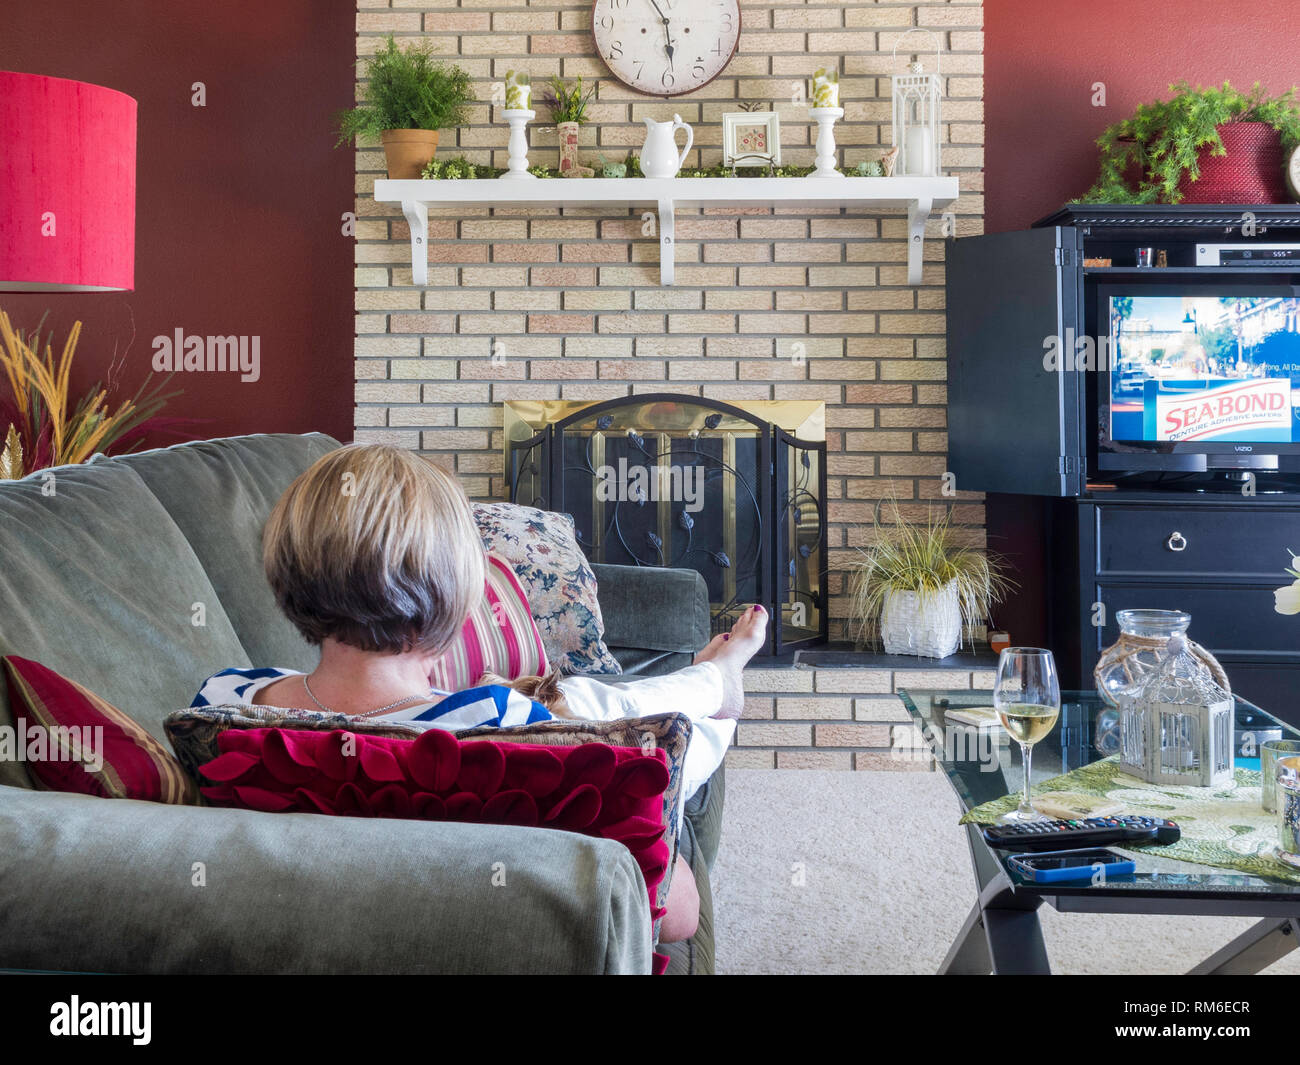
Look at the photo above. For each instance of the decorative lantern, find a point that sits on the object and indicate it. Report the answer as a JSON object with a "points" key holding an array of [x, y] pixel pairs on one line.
{"points": [[1176, 727], [916, 115]]}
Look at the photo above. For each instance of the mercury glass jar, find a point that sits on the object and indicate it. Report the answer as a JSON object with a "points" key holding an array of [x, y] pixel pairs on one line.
{"points": [[1141, 647], [1288, 810]]}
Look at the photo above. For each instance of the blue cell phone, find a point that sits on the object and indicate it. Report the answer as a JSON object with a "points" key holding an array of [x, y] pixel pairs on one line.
{"points": [[1053, 867]]}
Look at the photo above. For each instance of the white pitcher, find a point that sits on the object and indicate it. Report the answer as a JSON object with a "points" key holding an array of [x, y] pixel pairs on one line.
{"points": [[659, 158]]}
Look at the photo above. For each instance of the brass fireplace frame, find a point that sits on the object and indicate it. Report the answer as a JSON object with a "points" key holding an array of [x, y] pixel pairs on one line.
{"points": [[789, 551]]}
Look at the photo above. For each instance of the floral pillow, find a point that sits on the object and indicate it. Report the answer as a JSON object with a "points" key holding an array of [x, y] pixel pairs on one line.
{"points": [[561, 589]]}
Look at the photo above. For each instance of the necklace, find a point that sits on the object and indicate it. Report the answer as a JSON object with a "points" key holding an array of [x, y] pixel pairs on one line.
{"points": [[368, 713]]}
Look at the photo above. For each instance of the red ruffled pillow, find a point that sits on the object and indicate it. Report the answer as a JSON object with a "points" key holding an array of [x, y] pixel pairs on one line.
{"points": [[595, 789]]}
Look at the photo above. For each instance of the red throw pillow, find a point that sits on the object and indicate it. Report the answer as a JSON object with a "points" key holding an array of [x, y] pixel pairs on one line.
{"points": [[595, 789], [72, 740]]}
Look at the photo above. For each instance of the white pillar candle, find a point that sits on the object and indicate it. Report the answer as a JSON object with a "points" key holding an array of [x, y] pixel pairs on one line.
{"points": [[918, 150]]}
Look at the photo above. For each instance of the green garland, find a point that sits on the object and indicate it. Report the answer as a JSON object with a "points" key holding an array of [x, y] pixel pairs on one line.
{"points": [[1162, 140], [459, 168]]}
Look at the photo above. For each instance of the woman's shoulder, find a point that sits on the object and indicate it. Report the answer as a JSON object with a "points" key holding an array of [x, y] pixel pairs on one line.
{"points": [[237, 685]]}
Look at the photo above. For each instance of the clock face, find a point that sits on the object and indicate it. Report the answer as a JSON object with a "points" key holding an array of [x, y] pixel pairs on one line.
{"points": [[666, 47], [1293, 173]]}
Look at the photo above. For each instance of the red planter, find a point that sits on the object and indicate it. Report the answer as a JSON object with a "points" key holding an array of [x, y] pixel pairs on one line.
{"points": [[1251, 172]]}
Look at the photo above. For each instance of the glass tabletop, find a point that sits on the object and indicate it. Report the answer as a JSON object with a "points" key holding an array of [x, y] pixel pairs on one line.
{"points": [[983, 764]]}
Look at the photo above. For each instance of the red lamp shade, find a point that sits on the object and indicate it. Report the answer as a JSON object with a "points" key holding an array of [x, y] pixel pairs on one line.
{"points": [[67, 186]]}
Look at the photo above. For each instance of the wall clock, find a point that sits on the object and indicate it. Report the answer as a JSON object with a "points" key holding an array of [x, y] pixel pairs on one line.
{"points": [[666, 47], [1293, 173]]}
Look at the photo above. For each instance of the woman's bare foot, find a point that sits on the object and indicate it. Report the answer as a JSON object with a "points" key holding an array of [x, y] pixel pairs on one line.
{"points": [[730, 652]]}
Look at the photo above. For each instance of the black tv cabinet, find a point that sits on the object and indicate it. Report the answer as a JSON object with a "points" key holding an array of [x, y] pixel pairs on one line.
{"points": [[1216, 558], [1016, 429]]}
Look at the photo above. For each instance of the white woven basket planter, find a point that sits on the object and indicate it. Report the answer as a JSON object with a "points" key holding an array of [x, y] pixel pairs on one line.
{"points": [[927, 624]]}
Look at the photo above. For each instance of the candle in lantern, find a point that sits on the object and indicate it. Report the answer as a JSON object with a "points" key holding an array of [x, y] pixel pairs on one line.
{"points": [[826, 88], [519, 91]]}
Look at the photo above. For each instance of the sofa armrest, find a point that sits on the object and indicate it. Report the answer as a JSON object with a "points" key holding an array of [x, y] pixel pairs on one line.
{"points": [[653, 609], [110, 885]]}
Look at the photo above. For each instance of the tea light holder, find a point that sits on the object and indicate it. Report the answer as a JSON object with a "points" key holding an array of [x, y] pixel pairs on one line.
{"points": [[1288, 810], [825, 118], [518, 164]]}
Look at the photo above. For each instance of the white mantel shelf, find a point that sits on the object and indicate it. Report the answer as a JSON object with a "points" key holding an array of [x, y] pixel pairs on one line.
{"points": [[920, 196]]}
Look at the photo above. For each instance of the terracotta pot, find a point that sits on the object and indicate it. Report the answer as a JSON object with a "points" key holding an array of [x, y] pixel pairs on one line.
{"points": [[1251, 172], [408, 150]]}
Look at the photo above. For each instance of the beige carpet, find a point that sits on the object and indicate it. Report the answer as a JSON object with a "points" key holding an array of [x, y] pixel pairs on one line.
{"points": [[862, 872]]}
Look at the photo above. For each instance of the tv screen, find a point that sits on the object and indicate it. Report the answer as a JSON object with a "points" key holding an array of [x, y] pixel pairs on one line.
{"points": [[1198, 370]]}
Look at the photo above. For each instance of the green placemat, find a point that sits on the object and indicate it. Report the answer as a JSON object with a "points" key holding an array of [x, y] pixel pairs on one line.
{"points": [[1224, 827]]}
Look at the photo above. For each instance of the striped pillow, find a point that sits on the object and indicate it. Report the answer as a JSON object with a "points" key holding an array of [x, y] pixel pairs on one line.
{"points": [[499, 637], [72, 740]]}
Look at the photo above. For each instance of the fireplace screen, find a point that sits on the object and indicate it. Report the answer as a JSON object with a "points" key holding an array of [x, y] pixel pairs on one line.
{"points": [[734, 492]]}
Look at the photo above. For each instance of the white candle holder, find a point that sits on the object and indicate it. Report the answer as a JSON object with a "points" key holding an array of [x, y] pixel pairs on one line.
{"points": [[518, 163], [825, 118]]}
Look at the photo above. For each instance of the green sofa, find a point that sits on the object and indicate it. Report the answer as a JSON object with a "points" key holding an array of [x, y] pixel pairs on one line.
{"points": [[139, 576]]}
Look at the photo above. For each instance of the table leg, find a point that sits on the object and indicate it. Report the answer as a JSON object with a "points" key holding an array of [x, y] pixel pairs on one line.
{"points": [[969, 953], [1256, 948], [1012, 938], [1014, 935]]}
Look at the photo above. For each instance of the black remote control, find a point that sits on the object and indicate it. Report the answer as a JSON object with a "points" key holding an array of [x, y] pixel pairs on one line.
{"points": [[1092, 832]]}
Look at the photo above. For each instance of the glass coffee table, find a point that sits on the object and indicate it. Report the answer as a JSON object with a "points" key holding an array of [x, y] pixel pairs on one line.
{"points": [[1002, 933]]}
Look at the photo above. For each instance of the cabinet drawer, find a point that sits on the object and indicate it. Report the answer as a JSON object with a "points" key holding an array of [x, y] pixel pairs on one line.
{"points": [[1243, 540], [1224, 618]]}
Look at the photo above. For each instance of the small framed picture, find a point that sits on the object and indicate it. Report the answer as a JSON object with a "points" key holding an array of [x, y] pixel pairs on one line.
{"points": [[751, 138]]}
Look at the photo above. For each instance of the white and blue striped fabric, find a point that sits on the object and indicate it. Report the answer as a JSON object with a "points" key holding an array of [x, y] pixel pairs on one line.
{"points": [[473, 708]]}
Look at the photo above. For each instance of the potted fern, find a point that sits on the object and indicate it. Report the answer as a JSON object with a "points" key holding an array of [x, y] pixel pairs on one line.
{"points": [[410, 96], [1215, 145], [919, 589]]}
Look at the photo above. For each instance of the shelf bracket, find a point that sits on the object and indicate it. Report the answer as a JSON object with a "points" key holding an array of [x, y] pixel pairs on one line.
{"points": [[417, 218], [918, 213], [667, 233]]}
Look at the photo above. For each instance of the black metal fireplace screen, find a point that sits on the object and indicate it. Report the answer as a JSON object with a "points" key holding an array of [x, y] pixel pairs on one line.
{"points": [[735, 492]]}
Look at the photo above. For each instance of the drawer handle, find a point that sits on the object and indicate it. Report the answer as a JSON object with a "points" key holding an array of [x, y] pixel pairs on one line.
{"points": [[1176, 542]]}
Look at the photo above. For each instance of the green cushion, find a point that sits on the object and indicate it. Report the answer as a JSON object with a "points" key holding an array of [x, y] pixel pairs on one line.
{"points": [[220, 493], [98, 583], [653, 609], [704, 811], [694, 956], [108, 885]]}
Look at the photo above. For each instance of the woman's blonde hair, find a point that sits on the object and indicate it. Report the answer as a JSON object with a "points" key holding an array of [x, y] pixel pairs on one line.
{"points": [[377, 548]]}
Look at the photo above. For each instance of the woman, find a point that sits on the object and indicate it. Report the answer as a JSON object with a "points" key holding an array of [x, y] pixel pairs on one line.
{"points": [[374, 556]]}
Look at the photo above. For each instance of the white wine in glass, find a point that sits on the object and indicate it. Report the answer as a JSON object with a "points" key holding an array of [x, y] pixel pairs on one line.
{"points": [[1027, 697]]}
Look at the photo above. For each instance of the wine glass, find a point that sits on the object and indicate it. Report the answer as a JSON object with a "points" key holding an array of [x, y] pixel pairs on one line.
{"points": [[1027, 697]]}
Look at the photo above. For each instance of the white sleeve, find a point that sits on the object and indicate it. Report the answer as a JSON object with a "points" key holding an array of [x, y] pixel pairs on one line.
{"points": [[695, 691]]}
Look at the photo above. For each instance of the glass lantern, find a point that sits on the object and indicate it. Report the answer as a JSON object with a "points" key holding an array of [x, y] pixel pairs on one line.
{"points": [[917, 97], [1176, 726]]}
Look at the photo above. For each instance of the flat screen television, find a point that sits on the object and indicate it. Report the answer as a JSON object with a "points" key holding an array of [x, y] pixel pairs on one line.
{"points": [[1198, 379]]}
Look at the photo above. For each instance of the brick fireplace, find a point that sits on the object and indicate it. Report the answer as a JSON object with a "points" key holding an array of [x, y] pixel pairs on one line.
{"points": [[548, 304]]}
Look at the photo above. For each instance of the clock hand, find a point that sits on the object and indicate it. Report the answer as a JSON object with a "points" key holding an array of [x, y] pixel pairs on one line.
{"points": [[668, 46]]}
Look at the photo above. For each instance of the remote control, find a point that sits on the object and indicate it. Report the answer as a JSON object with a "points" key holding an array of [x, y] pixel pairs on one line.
{"points": [[1092, 832]]}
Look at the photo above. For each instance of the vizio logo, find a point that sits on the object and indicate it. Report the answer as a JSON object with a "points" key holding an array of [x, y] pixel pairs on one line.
{"points": [[1243, 447]]}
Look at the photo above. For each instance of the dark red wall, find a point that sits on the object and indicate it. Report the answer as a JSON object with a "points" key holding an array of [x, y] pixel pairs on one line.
{"points": [[1041, 59], [238, 206]]}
